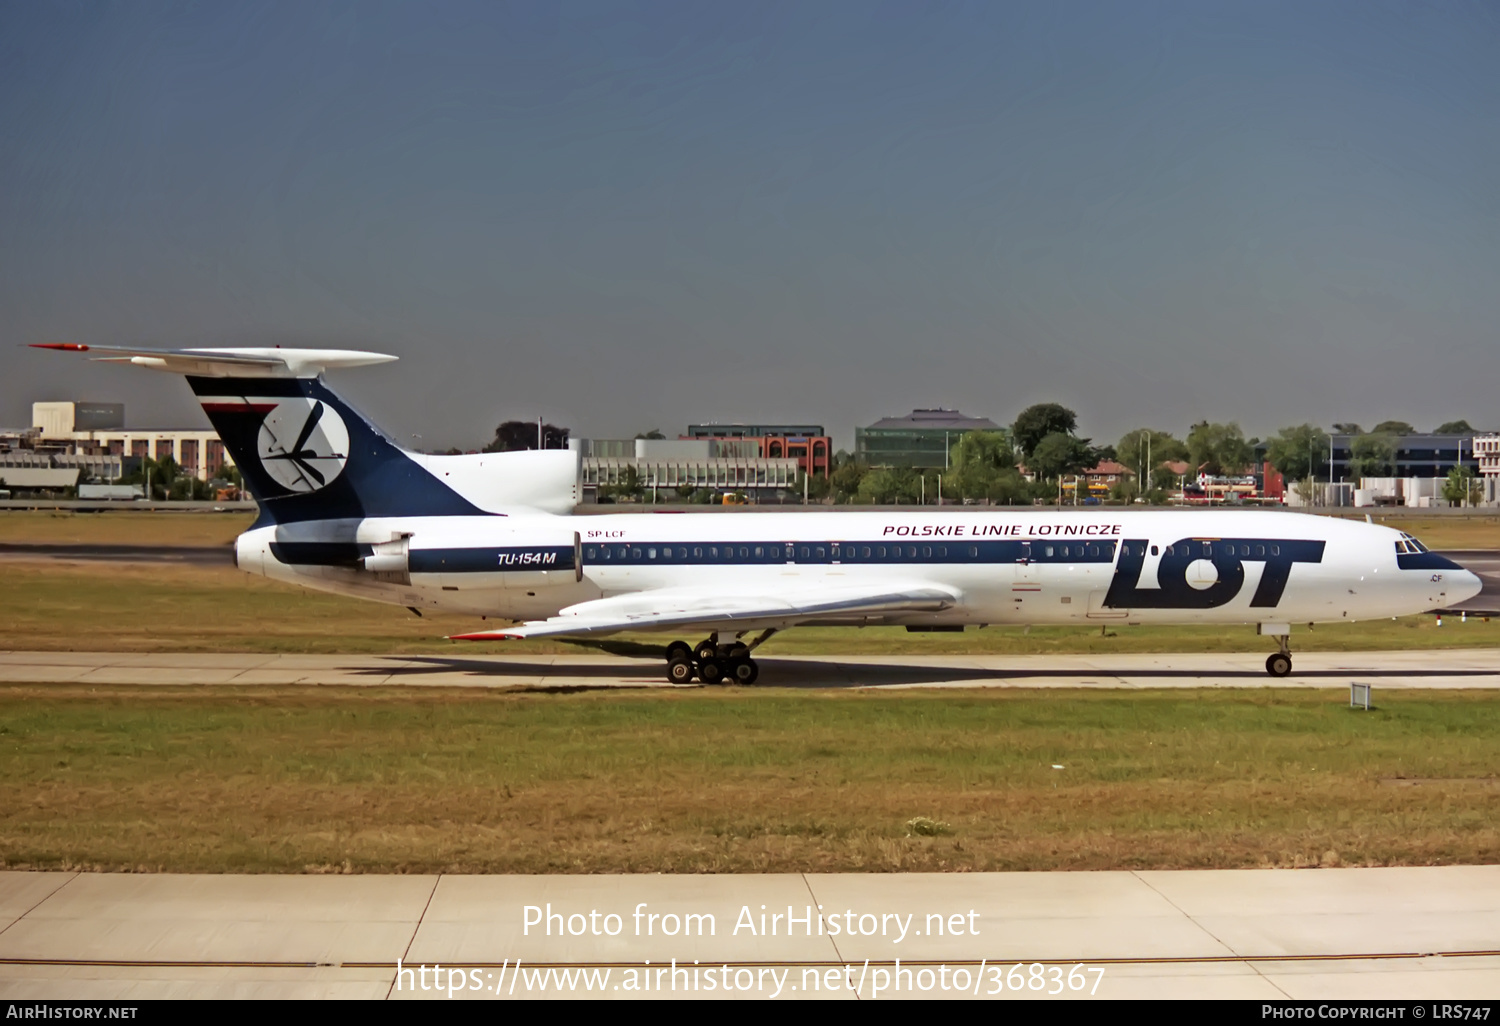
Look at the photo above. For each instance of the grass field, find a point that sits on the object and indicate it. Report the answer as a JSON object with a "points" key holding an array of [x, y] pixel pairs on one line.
{"points": [[93, 607], [335, 779], [65, 528]]}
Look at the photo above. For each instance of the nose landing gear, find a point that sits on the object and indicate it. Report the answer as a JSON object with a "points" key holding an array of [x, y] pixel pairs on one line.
{"points": [[1279, 664]]}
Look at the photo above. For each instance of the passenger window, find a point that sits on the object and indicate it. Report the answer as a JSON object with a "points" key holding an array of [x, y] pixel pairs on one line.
{"points": [[1093, 550], [926, 551], [911, 552], [1275, 550], [818, 552], [622, 552], [745, 552], [806, 553], [942, 551], [1047, 549], [759, 552], [1260, 550], [880, 551], [635, 553], [697, 552], [651, 553], [865, 552], [588, 553], [1153, 550], [973, 551], [1244, 550]]}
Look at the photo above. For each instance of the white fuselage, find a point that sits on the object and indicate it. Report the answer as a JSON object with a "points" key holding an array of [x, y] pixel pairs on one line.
{"points": [[1006, 567]]}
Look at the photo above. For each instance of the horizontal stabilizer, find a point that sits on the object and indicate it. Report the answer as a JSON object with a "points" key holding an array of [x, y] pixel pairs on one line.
{"points": [[255, 362]]}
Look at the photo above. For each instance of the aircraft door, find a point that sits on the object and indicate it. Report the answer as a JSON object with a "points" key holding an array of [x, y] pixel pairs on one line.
{"points": [[1026, 580]]}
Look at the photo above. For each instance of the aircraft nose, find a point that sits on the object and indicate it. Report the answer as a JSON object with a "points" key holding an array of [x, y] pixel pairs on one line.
{"points": [[1465, 585]]}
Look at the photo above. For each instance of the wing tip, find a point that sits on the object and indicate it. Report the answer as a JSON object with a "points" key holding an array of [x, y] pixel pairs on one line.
{"points": [[486, 636], [68, 347]]}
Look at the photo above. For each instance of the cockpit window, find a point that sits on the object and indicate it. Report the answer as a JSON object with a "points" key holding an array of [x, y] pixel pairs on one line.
{"points": [[1410, 544]]}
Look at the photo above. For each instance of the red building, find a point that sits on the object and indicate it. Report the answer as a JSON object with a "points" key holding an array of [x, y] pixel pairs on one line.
{"points": [[808, 444]]}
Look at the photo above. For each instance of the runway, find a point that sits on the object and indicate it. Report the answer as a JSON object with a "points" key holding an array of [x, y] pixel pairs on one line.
{"points": [[1383, 933], [1447, 668]]}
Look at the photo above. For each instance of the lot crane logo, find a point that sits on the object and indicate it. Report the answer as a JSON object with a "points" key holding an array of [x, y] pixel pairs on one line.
{"points": [[304, 444]]}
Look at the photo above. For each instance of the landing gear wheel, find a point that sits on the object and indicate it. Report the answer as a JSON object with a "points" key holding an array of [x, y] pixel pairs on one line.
{"points": [[680, 671], [739, 650], [679, 650], [706, 651], [1278, 664], [744, 671], [710, 671]]}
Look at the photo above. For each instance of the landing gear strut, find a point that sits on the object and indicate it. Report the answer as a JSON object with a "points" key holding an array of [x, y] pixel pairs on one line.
{"points": [[711, 661], [1279, 664]]}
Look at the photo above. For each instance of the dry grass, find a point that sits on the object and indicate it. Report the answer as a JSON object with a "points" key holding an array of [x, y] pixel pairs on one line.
{"points": [[379, 780], [67, 528], [1450, 532], [95, 607]]}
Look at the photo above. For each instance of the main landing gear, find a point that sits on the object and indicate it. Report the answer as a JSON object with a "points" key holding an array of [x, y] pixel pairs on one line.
{"points": [[713, 662], [1279, 664]]}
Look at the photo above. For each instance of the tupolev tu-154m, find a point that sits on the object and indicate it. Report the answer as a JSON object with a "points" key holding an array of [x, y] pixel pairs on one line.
{"points": [[345, 509]]}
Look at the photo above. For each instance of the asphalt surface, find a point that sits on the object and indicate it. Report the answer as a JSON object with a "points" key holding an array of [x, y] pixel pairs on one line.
{"points": [[482, 668], [1366, 934]]}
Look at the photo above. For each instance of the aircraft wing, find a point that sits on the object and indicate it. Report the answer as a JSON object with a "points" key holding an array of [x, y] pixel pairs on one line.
{"points": [[714, 610]]}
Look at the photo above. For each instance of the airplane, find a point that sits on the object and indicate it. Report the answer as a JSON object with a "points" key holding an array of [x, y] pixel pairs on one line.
{"points": [[345, 509]]}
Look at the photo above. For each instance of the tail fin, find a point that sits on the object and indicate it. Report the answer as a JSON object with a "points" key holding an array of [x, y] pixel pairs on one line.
{"points": [[306, 454]]}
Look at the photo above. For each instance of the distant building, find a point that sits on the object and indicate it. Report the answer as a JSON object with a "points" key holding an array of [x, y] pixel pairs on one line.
{"points": [[662, 466], [923, 438], [1429, 456], [1487, 452], [1097, 481], [808, 444], [86, 429]]}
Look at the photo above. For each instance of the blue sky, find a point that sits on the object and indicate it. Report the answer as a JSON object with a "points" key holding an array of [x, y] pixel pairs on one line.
{"points": [[626, 216]]}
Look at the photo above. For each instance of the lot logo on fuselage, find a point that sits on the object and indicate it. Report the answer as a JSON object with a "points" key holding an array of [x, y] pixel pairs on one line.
{"points": [[1196, 573], [303, 444]]}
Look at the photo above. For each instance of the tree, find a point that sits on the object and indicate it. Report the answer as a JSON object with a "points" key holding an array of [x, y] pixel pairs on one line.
{"points": [[1298, 452], [979, 459], [1060, 454], [653, 433], [846, 479], [1455, 427], [1372, 455], [1219, 449], [1462, 488], [817, 486], [518, 435], [1393, 427], [1347, 428], [1132, 449], [1008, 489], [1037, 422], [890, 486], [628, 488]]}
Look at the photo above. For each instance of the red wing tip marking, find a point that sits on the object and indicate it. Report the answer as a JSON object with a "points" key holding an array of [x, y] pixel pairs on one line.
{"points": [[71, 347], [484, 636]]}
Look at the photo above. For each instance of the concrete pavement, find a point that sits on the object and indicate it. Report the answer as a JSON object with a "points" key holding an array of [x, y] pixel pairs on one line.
{"points": [[1394, 933], [472, 667]]}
